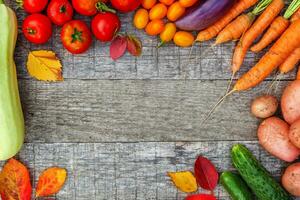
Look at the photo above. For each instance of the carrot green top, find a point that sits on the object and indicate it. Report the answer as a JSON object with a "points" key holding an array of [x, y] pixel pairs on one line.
{"points": [[293, 7], [1, 2], [260, 7]]}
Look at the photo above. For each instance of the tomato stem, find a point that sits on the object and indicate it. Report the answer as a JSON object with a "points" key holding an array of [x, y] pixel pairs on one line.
{"points": [[63, 9], [102, 7], [76, 36], [31, 31]]}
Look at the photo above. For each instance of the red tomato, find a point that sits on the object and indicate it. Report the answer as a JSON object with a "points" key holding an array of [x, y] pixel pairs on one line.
{"points": [[201, 197], [76, 36], [105, 25], [37, 28], [60, 11], [86, 7], [125, 5], [34, 6]]}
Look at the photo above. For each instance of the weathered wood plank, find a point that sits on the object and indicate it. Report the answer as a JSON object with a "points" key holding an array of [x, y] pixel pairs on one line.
{"points": [[169, 62], [135, 110], [132, 171]]}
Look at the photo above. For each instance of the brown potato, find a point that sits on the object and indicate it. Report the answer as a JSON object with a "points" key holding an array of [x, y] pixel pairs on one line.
{"points": [[264, 106], [290, 102], [294, 133], [273, 136], [291, 179]]}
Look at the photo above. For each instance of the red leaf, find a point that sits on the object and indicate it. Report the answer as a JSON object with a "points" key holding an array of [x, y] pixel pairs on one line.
{"points": [[134, 45], [118, 47], [15, 181], [201, 197], [206, 173]]}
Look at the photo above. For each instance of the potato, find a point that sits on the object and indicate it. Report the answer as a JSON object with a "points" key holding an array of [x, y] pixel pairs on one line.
{"points": [[294, 133], [290, 102], [273, 136], [264, 106], [291, 179]]}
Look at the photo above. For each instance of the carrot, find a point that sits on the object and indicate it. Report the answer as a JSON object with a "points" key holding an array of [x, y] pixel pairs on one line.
{"points": [[290, 63], [295, 16], [278, 26], [264, 20], [283, 47], [235, 29], [235, 11], [298, 74]]}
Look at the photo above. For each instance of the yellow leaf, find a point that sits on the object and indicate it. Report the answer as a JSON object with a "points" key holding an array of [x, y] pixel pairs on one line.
{"points": [[44, 66], [184, 181]]}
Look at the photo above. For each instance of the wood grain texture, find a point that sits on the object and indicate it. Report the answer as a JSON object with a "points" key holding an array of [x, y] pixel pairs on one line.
{"points": [[131, 171], [135, 110]]}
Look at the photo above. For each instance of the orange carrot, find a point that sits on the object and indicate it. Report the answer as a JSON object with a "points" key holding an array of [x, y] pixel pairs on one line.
{"points": [[235, 11], [290, 63], [298, 74], [278, 26], [295, 16], [283, 47], [263, 21], [235, 29]]}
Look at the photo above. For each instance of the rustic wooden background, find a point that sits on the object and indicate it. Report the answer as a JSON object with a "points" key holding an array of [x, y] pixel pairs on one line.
{"points": [[118, 127]]}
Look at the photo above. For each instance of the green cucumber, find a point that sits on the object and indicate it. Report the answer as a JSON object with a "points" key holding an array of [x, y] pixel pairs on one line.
{"points": [[236, 186], [256, 176]]}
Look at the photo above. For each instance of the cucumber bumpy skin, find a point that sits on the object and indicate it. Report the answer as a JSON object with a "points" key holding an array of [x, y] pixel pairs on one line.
{"points": [[11, 116], [256, 176]]}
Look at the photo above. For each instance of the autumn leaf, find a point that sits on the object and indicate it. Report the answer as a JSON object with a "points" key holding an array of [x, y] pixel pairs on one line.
{"points": [[44, 66], [134, 45], [184, 181], [51, 181], [118, 47], [15, 181], [206, 173]]}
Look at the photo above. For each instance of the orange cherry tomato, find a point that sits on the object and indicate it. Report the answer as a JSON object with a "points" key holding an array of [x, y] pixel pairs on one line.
{"points": [[155, 27], [148, 4], [168, 33], [175, 11], [187, 3], [158, 11], [167, 2], [141, 18], [183, 39]]}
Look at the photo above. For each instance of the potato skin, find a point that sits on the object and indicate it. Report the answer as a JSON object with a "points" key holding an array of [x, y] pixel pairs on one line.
{"points": [[294, 133], [273, 136], [264, 106], [291, 179], [290, 102]]}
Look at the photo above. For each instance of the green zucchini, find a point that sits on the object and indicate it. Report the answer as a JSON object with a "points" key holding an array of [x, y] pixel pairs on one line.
{"points": [[11, 115], [236, 186], [256, 176]]}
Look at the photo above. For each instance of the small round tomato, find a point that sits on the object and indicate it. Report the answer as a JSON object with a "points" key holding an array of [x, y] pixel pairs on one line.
{"points": [[183, 39], [37, 28], [148, 4], [125, 5], [155, 27], [76, 36], [86, 7], [60, 11], [167, 2], [175, 11], [168, 33], [34, 6], [141, 18], [158, 11], [105, 25]]}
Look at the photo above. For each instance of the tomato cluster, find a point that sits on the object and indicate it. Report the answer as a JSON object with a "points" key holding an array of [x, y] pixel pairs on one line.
{"points": [[76, 36], [151, 18]]}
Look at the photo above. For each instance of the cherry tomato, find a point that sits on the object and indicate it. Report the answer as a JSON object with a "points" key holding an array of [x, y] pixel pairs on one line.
{"points": [[158, 11], [76, 36], [86, 7], [167, 2], [34, 6], [37, 28], [155, 27], [187, 3], [125, 5], [147, 4], [168, 33], [105, 25], [183, 39], [141, 18], [60, 11], [175, 11]]}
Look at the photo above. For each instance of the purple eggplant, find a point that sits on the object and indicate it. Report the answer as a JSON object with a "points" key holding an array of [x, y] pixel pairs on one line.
{"points": [[204, 14]]}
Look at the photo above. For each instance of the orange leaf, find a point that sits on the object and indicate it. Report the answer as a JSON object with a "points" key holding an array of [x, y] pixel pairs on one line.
{"points": [[184, 181], [51, 181], [15, 181]]}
